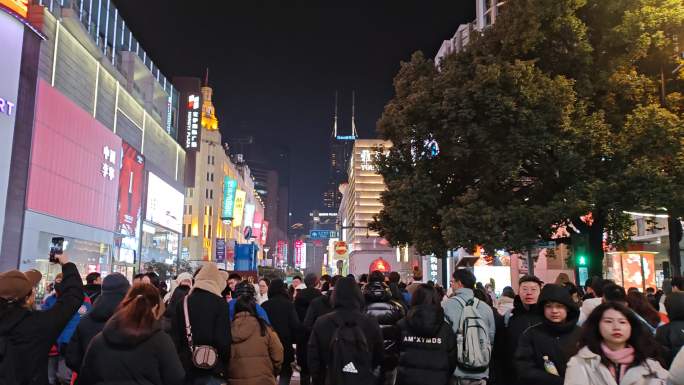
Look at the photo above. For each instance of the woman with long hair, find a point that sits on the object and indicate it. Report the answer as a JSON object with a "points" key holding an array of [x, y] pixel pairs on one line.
{"points": [[132, 348], [427, 346], [615, 349], [256, 354], [639, 303]]}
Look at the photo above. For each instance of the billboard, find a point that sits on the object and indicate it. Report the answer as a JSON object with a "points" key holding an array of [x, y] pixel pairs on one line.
{"points": [[20, 7], [74, 170], [249, 214], [300, 254], [229, 187], [264, 231], [220, 250], [239, 208], [131, 179], [164, 204], [257, 225]]}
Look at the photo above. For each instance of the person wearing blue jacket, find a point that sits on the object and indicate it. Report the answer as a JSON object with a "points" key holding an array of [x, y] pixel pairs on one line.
{"points": [[62, 372], [247, 289]]}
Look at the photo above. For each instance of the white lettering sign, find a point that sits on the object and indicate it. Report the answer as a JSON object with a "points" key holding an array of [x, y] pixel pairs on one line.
{"points": [[193, 122], [6, 107]]}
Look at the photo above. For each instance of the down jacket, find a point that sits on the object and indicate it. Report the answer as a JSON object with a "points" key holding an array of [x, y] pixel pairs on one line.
{"points": [[254, 359], [427, 347], [585, 368], [387, 311], [557, 341], [670, 335]]}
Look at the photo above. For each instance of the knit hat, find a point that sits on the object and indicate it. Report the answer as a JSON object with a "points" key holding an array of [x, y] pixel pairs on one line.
{"points": [[16, 285], [115, 283], [211, 279], [245, 288], [183, 277]]}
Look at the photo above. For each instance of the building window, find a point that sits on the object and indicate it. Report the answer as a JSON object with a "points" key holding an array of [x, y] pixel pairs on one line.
{"points": [[212, 176], [206, 193], [189, 194], [208, 159], [211, 235], [211, 194]]}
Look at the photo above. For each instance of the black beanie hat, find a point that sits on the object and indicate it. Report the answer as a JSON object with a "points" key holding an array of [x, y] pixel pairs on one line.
{"points": [[347, 294]]}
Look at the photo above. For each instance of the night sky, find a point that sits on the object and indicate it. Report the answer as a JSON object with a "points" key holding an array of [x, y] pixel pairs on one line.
{"points": [[275, 65]]}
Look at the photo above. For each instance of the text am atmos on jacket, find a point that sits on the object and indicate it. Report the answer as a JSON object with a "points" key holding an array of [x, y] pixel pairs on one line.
{"points": [[254, 359], [32, 333], [427, 347]]}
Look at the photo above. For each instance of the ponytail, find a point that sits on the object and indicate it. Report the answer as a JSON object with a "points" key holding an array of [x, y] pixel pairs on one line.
{"points": [[136, 311]]}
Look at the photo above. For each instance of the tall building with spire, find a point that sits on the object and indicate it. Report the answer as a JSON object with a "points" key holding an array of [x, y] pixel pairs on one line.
{"points": [[340, 152], [223, 202]]}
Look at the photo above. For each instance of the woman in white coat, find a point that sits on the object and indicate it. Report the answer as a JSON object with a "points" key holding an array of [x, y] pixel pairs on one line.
{"points": [[615, 350]]}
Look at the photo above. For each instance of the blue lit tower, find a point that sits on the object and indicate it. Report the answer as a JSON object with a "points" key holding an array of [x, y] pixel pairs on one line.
{"points": [[340, 152]]}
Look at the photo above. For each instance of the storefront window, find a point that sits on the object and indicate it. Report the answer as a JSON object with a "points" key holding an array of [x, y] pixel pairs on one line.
{"points": [[88, 257], [159, 245]]}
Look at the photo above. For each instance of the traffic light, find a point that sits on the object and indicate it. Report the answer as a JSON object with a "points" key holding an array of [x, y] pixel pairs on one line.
{"points": [[581, 260]]}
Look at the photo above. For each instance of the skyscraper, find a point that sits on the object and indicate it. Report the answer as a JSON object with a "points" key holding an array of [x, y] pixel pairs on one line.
{"points": [[340, 153]]}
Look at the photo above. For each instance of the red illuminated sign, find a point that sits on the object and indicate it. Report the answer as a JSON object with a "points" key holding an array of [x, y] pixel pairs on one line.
{"points": [[66, 178], [20, 7], [380, 265]]}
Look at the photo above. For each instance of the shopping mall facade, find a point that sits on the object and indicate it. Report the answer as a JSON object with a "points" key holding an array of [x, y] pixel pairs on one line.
{"points": [[91, 141]]}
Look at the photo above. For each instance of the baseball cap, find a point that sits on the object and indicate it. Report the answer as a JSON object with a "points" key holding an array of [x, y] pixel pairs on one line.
{"points": [[16, 285]]}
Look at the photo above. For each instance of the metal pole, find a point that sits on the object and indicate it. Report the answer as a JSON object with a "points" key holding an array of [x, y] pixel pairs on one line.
{"points": [[530, 261]]}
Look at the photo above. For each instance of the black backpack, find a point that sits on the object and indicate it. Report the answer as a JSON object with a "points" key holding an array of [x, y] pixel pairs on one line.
{"points": [[350, 357]]}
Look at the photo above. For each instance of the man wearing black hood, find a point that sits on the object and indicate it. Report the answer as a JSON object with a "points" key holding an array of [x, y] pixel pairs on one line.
{"points": [[549, 344], [670, 335], [285, 322], [347, 302], [114, 289], [302, 302], [387, 311], [93, 287]]}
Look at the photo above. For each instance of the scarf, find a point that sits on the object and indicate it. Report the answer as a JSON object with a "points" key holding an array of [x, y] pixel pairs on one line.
{"points": [[622, 358]]}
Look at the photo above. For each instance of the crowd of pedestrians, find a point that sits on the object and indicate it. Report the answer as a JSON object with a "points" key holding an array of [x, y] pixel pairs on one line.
{"points": [[214, 327]]}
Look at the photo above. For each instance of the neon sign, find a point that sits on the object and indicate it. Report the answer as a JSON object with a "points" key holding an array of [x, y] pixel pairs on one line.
{"points": [[20, 7], [192, 124]]}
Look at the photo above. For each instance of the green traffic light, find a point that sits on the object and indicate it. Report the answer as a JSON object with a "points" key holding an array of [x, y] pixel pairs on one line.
{"points": [[582, 260]]}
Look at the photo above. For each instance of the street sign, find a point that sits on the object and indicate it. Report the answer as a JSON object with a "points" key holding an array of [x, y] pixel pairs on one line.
{"points": [[322, 234], [341, 248], [547, 245]]}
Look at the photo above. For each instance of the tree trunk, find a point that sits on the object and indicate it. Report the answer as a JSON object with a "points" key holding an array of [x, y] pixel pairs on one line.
{"points": [[596, 245], [675, 229]]}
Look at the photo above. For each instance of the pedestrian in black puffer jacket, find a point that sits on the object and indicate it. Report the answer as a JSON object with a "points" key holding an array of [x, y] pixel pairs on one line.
{"points": [[670, 335], [114, 289], [283, 317], [347, 301], [31, 334], [555, 337], [387, 311], [302, 302], [320, 306], [426, 343], [210, 323], [132, 348]]}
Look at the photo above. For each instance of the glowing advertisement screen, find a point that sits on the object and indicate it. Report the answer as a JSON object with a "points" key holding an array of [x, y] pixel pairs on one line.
{"points": [[257, 225], [131, 179], [249, 214], [239, 208], [164, 204], [229, 187]]}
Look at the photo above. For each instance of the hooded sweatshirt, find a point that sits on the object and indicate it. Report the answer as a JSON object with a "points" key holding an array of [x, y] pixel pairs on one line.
{"points": [[671, 335], [427, 347], [141, 356], [347, 302], [557, 341]]}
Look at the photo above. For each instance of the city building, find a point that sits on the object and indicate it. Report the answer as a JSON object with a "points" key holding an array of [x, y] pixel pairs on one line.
{"points": [[222, 206], [367, 250], [340, 153], [486, 12], [96, 145]]}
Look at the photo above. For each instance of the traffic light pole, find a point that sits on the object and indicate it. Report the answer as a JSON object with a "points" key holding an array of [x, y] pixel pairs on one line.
{"points": [[530, 261]]}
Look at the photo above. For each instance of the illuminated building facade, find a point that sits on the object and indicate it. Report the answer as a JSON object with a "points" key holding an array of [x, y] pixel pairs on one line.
{"points": [[340, 153], [222, 207], [360, 202]]}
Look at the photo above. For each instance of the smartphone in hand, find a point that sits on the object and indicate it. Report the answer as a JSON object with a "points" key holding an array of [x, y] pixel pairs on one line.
{"points": [[56, 248]]}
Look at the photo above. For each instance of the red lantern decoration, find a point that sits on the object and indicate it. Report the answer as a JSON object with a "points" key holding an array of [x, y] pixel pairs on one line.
{"points": [[380, 265]]}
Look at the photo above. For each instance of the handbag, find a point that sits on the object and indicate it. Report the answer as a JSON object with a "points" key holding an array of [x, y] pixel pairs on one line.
{"points": [[203, 356]]}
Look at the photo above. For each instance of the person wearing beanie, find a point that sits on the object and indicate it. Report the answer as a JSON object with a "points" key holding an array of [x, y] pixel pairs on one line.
{"points": [[209, 322], [183, 279], [281, 312], [246, 289], [347, 302], [32, 333], [180, 287], [113, 290], [551, 342]]}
